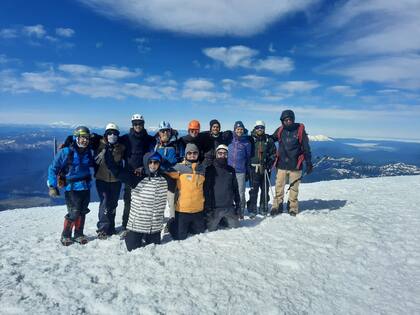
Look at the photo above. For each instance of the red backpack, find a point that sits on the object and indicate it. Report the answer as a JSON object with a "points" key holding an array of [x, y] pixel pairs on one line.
{"points": [[301, 157]]}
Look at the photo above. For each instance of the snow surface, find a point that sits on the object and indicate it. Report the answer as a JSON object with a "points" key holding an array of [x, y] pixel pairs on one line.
{"points": [[354, 249], [319, 138]]}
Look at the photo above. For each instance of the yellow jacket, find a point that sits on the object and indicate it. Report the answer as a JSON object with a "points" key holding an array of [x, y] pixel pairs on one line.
{"points": [[190, 186]]}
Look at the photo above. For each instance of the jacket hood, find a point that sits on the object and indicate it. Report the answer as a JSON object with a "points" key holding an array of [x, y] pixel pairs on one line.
{"points": [[151, 156], [287, 113]]}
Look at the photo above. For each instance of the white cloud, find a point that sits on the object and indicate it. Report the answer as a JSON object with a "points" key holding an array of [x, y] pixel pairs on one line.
{"points": [[228, 84], [366, 27], [344, 90], [231, 57], [298, 86], [64, 32], [46, 81], [254, 81], [8, 33], [395, 72], [37, 31], [242, 56], [271, 48], [201, 90], [217, 17], [105, 72], [275, 64], [142, 44]]}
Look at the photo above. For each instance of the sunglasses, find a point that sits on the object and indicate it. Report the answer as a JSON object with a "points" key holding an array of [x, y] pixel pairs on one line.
{"points": [[165, 130], [192, 153], [116, 133], [259, 128], [222, 153], [154, 162], [138, 124]]}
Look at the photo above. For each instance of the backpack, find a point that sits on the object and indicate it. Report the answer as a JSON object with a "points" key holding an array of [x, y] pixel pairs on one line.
{"points": [[61, 176], [301, 130]]}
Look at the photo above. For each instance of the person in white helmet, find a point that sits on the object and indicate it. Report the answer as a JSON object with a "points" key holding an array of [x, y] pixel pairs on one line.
{"points": [[137, 143], [107, 185]]}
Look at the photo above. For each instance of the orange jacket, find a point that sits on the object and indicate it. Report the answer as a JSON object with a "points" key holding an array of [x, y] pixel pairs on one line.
{"points": [[190, 186]]}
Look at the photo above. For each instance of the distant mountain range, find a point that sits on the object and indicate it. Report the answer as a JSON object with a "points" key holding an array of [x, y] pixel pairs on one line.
{"points": [[27, 151]]}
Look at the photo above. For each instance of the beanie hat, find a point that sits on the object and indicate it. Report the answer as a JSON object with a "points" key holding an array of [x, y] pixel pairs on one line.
{"points": [[238, 124], [222, 147], [288, 113], [191, 147], [213, 122]]}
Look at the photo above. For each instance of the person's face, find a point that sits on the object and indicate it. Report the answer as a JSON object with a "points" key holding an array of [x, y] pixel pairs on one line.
{"points": [[83, 141], [153, 166], [138, 126], [221, 154], [164, 135], [259, 130], [288, 121], [215, 129], [193, 132], [239, 131], [192, 155]]}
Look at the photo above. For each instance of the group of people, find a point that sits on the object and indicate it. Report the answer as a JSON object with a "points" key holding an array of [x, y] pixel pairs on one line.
{"points": [[201, 176]]}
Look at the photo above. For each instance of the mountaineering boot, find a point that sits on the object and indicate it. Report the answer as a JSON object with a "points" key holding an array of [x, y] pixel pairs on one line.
{"points": [[102, 235], [274, 212], [66, 234], [79, 225]]}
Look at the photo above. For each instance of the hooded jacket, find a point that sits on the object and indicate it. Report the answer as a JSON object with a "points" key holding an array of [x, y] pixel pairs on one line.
{"points": [[102, 171], [148, 196]]}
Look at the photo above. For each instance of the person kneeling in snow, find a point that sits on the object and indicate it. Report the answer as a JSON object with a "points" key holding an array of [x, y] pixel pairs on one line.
{"points": [[148, 199], [222, 200]]}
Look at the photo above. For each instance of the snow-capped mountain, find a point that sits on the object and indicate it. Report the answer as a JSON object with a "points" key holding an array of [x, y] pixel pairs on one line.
{"points": [[319, 138], [353, 249]]}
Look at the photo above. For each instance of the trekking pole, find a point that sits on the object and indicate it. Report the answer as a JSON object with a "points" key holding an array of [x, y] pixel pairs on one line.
{"points": [[55, 146], [303, 175], [269, 184]]}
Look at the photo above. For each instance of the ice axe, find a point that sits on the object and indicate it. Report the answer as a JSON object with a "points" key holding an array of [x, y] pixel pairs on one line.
{"points": [[320, 160]]}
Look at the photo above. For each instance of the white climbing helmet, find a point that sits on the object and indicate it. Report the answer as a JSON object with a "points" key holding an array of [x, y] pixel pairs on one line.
{"points": [[111, 126], [137, 117]]}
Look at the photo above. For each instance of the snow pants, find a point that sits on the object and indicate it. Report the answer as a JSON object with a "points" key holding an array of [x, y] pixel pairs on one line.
{"points": [[77, 202], [193, 223], [127, 205], [281, 178], [241, 178], [214, 217], [109, 193], [259, 181], [134, 240]]}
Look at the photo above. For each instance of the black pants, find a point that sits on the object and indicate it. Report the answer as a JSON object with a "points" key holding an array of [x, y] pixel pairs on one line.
{"points": [[134, 240], [127, 205], [77, 202], [258, 182], [108, 196], [188, 222]]}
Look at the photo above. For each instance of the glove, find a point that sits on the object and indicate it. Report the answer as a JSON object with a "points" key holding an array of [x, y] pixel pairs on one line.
{"points": [[139, 171], [53, 192], [309, 168]]}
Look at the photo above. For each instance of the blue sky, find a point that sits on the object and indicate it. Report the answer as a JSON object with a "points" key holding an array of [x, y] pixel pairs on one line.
{"points": [[347, 68]]}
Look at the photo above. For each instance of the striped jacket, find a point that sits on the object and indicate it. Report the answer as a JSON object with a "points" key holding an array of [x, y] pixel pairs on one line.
{"points": [[148, 203], [190, 186]]}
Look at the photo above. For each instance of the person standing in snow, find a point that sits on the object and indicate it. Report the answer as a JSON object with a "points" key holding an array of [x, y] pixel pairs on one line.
{"points": [[194, 137], [293, 149], [72, 165], [212, 139], [239, 158], [107, 185], [137, 143], [166, 146], [189, 176], [222, 200], [148, 193], [262, 159]]}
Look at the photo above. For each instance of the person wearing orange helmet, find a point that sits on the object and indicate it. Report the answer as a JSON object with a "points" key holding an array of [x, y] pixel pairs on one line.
{"points": [[194, 137]]}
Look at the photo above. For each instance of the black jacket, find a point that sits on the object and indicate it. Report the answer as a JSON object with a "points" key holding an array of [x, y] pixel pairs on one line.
{"points": [[136, 144], [289, 148], [221, 187], [210, 143], [263, 150]]}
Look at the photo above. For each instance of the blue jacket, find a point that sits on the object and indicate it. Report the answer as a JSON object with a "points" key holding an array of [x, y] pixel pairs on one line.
{"points": [[77, 174], [168, 153], [240, 153]]}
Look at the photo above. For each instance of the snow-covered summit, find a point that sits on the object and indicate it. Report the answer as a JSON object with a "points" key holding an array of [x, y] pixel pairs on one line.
{"points": [[354, 249], [319, 138]]}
